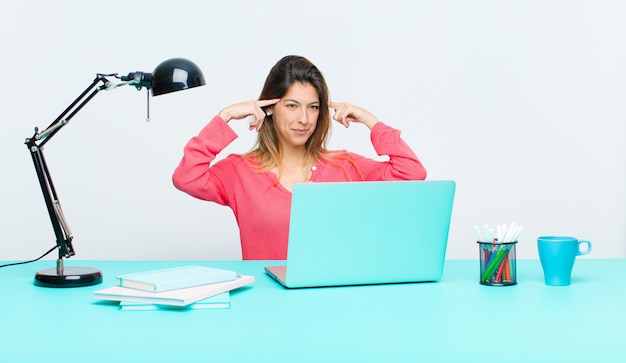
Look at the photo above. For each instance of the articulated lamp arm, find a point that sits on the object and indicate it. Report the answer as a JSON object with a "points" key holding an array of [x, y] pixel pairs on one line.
{"points": [[170, 76], [39, 139], [35, 146]]}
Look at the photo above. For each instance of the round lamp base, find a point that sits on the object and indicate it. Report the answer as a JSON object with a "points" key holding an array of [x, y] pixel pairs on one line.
{"points": [[72, 276]]}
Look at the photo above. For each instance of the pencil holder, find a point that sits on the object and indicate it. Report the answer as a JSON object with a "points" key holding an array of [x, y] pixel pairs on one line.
{"points": [[497, 263]]}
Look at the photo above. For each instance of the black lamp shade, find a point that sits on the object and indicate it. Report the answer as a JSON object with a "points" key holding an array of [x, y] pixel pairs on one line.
{"points": [[175, 75]]}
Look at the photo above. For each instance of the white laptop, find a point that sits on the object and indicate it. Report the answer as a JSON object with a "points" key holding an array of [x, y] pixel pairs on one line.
{"points": [[355, 233]]}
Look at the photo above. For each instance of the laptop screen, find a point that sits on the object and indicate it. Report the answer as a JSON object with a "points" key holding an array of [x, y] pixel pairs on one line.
{"points": [[349, 233]]}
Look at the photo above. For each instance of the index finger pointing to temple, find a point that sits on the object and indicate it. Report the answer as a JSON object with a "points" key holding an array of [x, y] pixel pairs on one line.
{"points": [[263, 103]]}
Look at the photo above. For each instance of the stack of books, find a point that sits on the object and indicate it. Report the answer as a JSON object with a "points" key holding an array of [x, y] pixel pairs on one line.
{"points": [[186, 287]]}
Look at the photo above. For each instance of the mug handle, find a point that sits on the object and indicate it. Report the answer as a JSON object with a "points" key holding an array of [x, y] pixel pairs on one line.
{"points": [[587, 250]]}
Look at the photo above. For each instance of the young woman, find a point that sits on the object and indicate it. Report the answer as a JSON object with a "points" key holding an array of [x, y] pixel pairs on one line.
{"points": [[292, 118]]}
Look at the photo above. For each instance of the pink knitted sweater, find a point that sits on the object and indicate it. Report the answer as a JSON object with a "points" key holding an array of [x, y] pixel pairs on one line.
{"points": [[262, 206]]}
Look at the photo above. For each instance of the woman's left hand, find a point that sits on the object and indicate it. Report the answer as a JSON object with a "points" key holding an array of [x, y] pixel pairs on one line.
{"points": [[346, 113]]}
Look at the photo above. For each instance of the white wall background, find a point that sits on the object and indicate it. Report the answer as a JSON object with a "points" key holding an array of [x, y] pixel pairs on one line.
{"points": [[523, 103]]}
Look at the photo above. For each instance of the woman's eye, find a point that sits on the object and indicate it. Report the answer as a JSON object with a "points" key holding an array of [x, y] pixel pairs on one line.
{"points": [[291, 105], [315, 107]]}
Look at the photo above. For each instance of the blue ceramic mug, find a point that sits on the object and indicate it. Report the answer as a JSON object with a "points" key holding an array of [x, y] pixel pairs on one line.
{"points": [[557, 255]]}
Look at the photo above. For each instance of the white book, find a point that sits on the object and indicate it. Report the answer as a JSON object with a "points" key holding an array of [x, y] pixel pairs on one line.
{"points": [[220, 301], [179, 297]]}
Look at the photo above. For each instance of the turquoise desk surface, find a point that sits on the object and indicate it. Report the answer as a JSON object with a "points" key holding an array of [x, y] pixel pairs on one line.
{"points": [[454, 320]]}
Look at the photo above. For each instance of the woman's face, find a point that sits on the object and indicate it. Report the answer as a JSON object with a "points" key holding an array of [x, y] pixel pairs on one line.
{"points": [[295, 115]]}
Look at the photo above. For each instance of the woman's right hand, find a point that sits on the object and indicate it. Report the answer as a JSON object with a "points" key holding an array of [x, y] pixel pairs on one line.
{"points": [[252, 108]]}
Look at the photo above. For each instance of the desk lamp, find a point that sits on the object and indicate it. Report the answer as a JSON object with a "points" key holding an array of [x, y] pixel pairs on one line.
{"points": [[169, 76]]}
